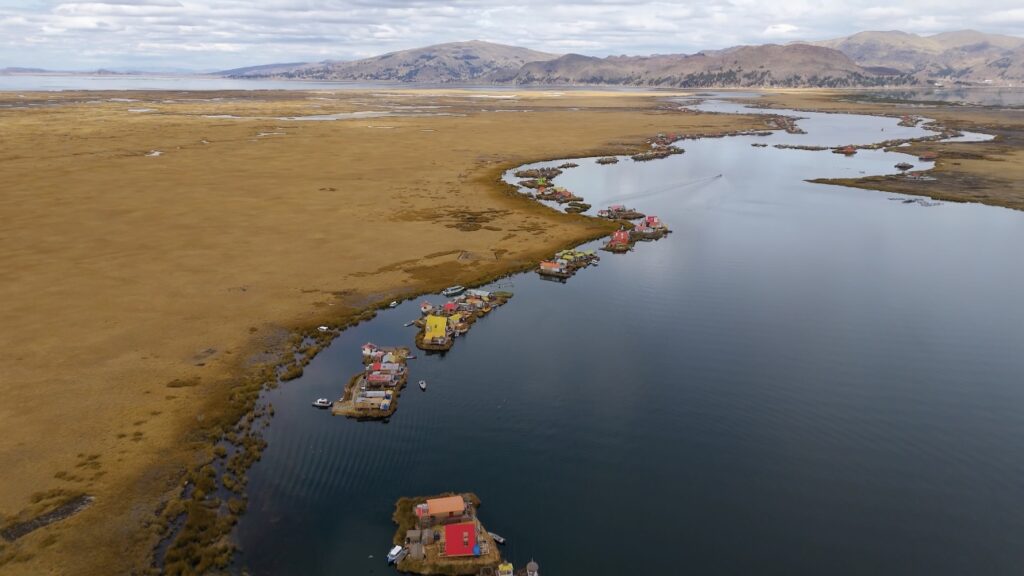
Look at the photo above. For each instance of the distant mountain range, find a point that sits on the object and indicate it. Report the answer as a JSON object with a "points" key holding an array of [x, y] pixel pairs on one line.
{"points": [[864, 59], [965, 56], [748, 66], [485, 62], [442, 63]]}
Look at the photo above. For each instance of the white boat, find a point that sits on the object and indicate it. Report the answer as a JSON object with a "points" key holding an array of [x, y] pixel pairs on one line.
{"points": [[396, 554], [453, 290], [423, 384], [322, 403], [394, 303], [496, 538]]}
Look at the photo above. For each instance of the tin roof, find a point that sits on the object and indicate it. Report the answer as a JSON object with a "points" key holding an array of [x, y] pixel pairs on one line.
{"points": [[460, 539], [445, 505]]}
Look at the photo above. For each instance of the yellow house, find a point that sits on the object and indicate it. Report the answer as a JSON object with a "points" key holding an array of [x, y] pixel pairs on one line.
{"points": [[436, 328]]}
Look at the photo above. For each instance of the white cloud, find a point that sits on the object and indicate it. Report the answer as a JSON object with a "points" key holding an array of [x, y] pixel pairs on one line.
{"points": [[776, 31], [226, 33]]}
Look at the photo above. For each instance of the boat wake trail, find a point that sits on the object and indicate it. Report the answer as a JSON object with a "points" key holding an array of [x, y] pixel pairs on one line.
{"points": [[669, 187]]}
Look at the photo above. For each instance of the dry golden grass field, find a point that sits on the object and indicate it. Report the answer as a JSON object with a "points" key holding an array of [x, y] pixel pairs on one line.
{"points": [[139, 287]]}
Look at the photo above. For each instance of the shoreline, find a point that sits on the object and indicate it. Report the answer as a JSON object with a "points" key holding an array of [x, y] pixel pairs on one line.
{"points": [[979, 172], [227, 392]]}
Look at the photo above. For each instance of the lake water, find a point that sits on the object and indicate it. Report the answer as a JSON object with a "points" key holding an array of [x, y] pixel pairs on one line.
{"points": [[998, 96], [801, 379]]}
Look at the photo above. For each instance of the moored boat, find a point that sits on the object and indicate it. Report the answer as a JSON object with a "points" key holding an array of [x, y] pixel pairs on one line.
{"points": [[322, 403], [496, 538], [453, 290], [396, 554]]}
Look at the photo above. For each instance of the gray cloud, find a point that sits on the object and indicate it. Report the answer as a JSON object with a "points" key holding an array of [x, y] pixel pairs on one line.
{"points": [[210, 34]]}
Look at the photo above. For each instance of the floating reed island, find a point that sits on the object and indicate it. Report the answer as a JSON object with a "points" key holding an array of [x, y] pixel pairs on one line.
{"points": [[649, 229], [547, 173], [443, 535], [372, 394], [619, 243], [441, 324], [909, 121], [566, 263], [787, 123], [576, 207], [619, 212], [534, 183], [661, 147], [800, 147], [657, 153], [556, 194]]}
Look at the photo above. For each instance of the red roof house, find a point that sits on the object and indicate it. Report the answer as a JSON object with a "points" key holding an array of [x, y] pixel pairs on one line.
{"points": [[460, 540], [620, 237]]}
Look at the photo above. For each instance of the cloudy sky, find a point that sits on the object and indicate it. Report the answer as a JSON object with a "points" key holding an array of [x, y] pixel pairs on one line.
{"points": [[217, 34]]}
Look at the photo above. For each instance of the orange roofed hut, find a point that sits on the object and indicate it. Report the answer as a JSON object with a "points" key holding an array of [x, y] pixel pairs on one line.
{"points": [[446, 508]]}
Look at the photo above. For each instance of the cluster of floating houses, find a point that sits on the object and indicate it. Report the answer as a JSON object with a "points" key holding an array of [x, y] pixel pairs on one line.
{"points": [[373, 392], [566, 263], [442, 323], [444, 535], [662, 146], [622, 240]]}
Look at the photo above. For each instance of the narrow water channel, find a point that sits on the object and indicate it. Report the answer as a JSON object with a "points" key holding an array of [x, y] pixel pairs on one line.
{"points": [[801, 379]]}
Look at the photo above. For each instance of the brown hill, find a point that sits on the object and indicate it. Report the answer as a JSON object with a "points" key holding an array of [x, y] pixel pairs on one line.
{"points": [[963, 55], [768, 65], [442, 63]]}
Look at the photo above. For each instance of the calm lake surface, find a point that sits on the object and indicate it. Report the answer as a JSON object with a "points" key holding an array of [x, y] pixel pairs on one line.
{"points": [[801, 379], [998, 96]]}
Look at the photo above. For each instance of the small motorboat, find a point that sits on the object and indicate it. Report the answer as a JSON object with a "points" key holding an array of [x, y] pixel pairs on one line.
{"points": [[453, 290], [322, 403], [323, 328], [394, 304], [498, 539], [423, 385], [396, 554]]}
